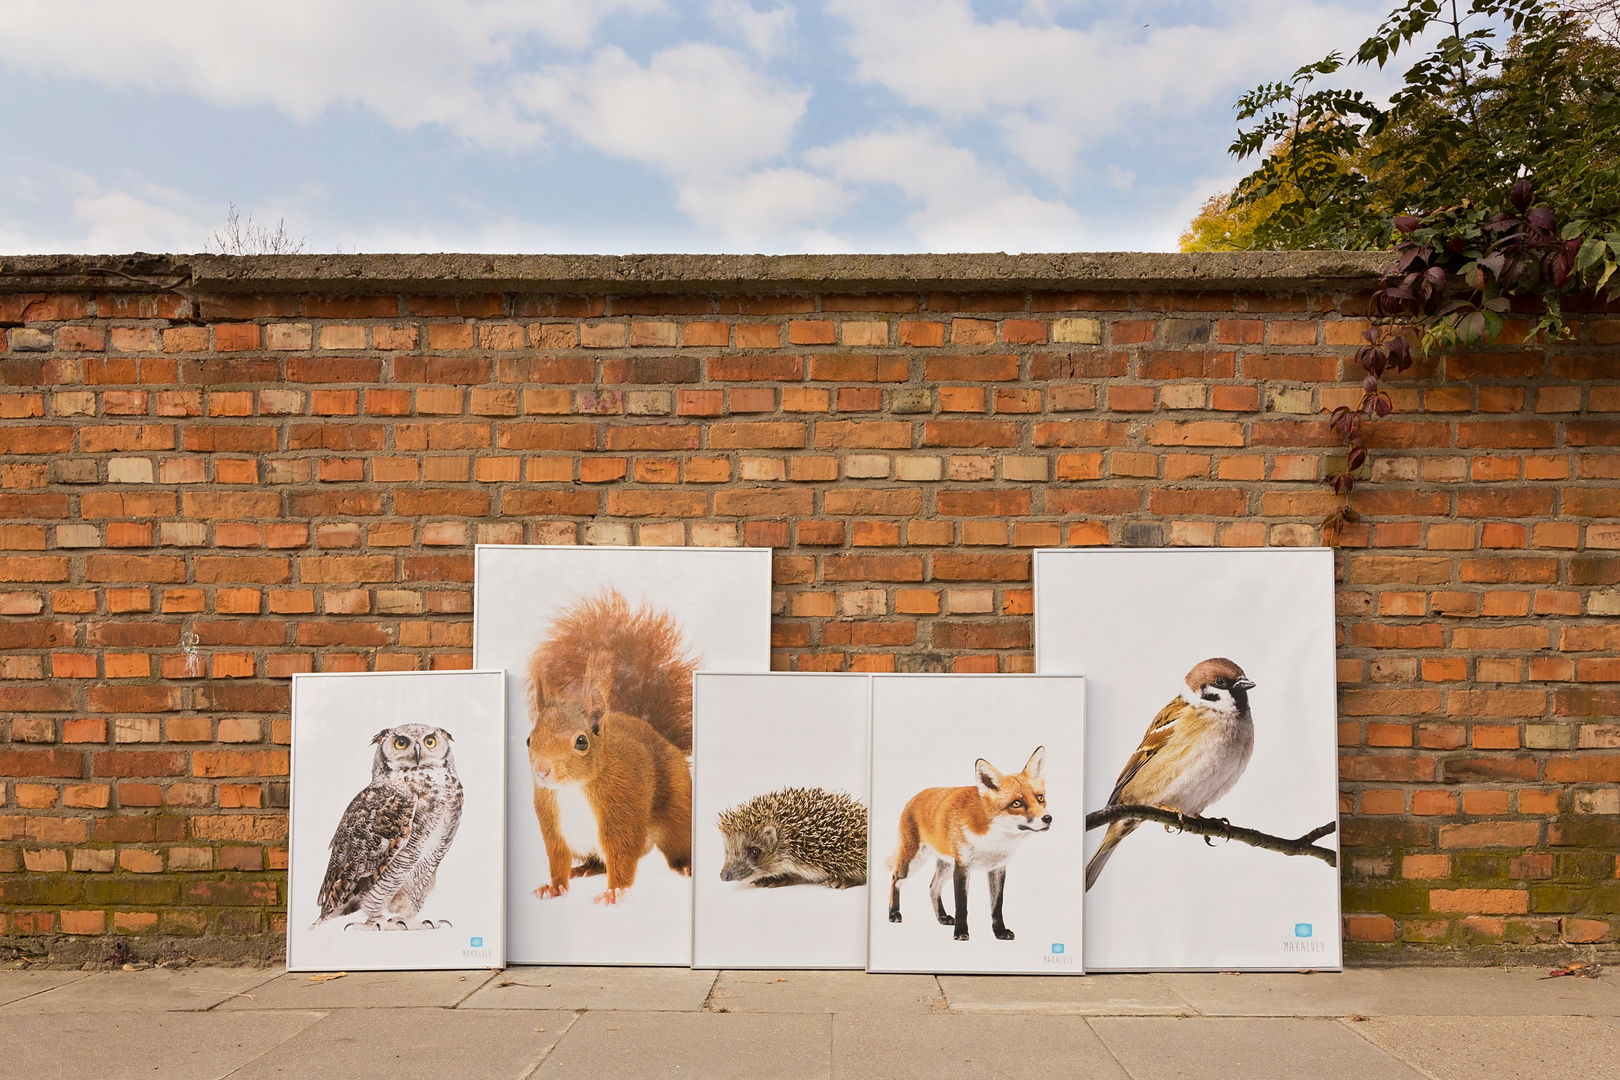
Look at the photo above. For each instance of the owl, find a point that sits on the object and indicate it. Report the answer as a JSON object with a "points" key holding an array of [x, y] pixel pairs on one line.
{"points": [[388, 845]]}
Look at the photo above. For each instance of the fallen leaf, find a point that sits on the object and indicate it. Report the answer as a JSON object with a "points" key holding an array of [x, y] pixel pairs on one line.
{"points": [[1356, 1017], [1580, 970], [328, 977]]}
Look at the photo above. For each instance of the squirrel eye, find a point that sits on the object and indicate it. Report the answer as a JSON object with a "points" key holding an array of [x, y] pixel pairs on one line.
{"points": [[581, 743]]}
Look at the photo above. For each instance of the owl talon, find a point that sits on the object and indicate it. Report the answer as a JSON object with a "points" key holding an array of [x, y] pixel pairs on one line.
{"points": [[362, 926]]}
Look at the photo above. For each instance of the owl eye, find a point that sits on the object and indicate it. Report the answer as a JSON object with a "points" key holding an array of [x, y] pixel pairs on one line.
{"points": [[401, 742], [581, 743], [430, 742]]}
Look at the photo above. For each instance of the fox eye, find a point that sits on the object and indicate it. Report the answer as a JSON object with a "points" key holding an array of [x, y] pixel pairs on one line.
{"points": [[581, 743], [1016, 804], [528, 740], [1041, 799], [1210, 695]]}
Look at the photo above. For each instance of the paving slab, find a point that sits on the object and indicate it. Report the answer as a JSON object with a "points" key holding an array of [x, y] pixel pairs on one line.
{"points": [[1089, 995], [867, 1047], [1398, 991], [16, 985], [641, 989], [1468, 1047], [362, 990], [824, 992], [113, 1046], [714, 1046], [1243, 1048], [152, 990], [359, 1044]]}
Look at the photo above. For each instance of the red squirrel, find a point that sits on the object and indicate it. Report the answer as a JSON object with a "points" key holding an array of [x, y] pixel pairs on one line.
{"points": [[611, 705]]}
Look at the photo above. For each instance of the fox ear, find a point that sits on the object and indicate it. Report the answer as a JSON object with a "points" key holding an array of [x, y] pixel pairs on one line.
{"points": [[1037, 761], [989, 777]]}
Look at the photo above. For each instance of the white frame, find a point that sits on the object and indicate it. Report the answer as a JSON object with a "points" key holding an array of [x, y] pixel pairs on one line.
{"points": [[817, 900], [587, 946], [1332, 959], [491, 954], [916, 908]]}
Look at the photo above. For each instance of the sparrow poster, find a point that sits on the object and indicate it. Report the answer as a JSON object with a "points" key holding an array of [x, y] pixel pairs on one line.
{"points": [[395, 858], [599, 645], [779, 820], [976, 824], [1212, 768]]}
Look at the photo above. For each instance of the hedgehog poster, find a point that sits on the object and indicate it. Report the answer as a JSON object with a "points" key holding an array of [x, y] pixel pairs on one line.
{"points": [[599, 645], [397, 803], [1212, 813], [779, 817], [975, 824]]}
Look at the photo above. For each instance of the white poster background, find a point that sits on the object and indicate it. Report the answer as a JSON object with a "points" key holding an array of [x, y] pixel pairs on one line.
{"points": [[927, 731], [755, 734], [721, 598], [334, 718], [1135, 622]]}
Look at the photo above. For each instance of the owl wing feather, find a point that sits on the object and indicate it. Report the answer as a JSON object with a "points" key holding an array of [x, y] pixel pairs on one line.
{"points": [[1159, 732], [376, 825]]}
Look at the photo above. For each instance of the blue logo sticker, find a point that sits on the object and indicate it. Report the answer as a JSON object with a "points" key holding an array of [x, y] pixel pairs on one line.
{"points": [[1057, 947], [478, 942], [1302, 929]]}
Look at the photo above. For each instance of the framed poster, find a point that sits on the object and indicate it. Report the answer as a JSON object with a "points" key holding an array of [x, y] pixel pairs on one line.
{"points": [[1211, 694], [779, 820], [976, 802], [395, 859], [599, 645]]}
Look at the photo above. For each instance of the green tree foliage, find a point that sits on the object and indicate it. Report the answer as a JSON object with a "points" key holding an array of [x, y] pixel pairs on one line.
{"points": [[1512, 88]]}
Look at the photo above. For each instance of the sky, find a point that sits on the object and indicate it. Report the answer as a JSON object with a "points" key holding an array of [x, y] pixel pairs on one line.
{"points": [[619, 126]]}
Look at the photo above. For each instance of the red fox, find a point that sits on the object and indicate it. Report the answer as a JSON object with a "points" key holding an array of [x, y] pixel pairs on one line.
{"points": [[971, 828]]}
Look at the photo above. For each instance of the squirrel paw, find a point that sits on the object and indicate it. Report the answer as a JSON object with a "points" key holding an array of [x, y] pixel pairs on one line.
{"points": [[611, 896], [547, 892], [685, 871]]}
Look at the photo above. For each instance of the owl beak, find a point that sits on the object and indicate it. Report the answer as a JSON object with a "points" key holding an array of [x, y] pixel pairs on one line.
{"points": [[417, 753], [1243, 684]]}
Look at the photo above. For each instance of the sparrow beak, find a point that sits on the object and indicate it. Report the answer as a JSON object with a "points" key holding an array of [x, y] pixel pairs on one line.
{"points": [[1243, 684]]}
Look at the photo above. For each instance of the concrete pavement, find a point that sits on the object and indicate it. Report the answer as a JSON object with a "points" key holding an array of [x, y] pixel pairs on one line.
{"points": [[630, 1023]]}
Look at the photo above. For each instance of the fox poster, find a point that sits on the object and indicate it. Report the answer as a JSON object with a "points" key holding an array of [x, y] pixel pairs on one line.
{"points": [[1211, 698], [779, 816], [599, 645], [976, 824]]}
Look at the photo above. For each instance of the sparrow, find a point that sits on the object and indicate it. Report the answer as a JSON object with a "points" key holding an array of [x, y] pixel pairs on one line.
{"points": [[1192, 754]]}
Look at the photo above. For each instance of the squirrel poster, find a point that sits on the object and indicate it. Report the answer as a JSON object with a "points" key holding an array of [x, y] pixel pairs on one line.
{"points": [[599, 645]]}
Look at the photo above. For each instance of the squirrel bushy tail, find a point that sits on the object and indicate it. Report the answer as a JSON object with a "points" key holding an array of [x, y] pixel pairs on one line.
{"points": [[651, 667]]}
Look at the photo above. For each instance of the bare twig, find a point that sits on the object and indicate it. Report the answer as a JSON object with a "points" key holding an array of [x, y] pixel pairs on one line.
{"points": [[1221, 829]]}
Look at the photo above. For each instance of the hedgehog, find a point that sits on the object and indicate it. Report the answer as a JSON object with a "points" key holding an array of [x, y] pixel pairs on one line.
{"points": [[796, 836]]}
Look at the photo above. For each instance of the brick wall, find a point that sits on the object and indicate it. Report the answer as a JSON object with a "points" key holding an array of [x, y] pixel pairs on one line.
{"points": [[216, 473]]}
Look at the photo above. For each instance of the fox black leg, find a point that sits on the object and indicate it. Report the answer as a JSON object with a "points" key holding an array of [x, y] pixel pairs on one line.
{"points": [[936, 889], [961, 933], [998, 883], [894, 895]]}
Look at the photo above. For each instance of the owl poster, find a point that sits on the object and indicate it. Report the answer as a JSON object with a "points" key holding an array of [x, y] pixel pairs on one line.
{"points": [[779, 817], [1210, 682], [976, 836], [599, 645], [397, 806]]}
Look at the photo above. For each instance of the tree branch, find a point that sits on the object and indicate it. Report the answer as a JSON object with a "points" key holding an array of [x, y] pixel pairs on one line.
{"points": [[1220, 828]]}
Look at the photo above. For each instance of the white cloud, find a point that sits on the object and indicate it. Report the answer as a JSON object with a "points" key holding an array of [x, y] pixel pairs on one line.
{"points": [[1054, 91], [691, 110], [412, 62], [97, 219], [765, 32], [962, 204], [762, 206]]}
